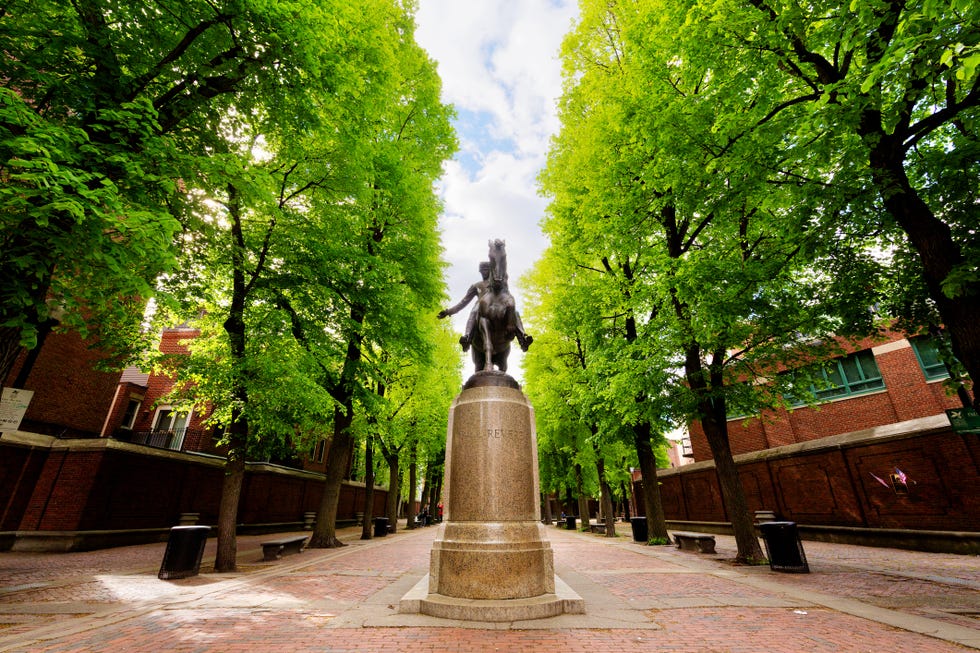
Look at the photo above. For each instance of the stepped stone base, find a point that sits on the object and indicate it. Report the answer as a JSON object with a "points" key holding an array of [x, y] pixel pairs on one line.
{"points": [[419, 600]]}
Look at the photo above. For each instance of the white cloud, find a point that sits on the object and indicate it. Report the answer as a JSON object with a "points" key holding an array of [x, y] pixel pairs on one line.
{"points": [[498, 60]]}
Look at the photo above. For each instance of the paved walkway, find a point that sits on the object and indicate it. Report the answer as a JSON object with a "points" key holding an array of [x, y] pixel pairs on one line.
{"points": [[638, 598]]}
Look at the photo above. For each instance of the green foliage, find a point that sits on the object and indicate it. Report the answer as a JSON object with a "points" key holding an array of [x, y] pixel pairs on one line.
{"points": [[265, 169], [76, 244], [717, 201], [311, 258]]}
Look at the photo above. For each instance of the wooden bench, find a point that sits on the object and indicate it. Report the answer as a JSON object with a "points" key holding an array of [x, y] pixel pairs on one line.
{"points": [[275, 549], [699, 542]]}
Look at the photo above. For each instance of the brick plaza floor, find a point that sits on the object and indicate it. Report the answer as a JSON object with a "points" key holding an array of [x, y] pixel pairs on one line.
{"points": [[638, 598]]}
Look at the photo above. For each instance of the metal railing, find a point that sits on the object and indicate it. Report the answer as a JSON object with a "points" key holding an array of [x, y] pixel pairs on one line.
{"points": [[172, 439]]}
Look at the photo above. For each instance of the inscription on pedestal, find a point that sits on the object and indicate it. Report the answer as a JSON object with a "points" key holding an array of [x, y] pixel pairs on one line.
{"points": [[491, 466]]}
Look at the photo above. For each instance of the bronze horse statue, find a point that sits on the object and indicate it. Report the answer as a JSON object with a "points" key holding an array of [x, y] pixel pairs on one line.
{"points": [[498, 322]]}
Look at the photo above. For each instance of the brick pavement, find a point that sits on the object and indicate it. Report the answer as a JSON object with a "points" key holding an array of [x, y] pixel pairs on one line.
{"points": [[637, 598]]}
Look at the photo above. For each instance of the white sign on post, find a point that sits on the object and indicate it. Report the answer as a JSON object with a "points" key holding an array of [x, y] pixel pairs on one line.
{"points": [[13, 405]]}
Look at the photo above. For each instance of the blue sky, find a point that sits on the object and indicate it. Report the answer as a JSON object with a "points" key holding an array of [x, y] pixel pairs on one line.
{"points": [[498, 60]]}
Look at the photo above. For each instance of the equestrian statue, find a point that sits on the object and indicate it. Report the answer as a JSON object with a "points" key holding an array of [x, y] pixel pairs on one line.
{"points": [[494, 321]]}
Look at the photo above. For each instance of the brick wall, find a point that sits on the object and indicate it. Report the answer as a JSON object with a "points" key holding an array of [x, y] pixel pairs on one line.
{"points": [[20, 473], [104, 484], [832, 482]]}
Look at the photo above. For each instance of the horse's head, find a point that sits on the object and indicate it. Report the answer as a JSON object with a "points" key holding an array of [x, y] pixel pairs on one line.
{"points": [[498, 263]]}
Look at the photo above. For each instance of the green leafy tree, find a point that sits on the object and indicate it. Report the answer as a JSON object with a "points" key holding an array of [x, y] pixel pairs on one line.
{"points": [[668, 200], [574, 417], [393, 251], [419, 384], [108, 107], [883, 98], [324, 242]]}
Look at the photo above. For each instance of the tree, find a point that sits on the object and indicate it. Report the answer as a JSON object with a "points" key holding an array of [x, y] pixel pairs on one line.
{"points": [[575, 419], [419, 384], [366, 532], [387, 273], [311, 183], [108, 108], [120, 118], [890, 93], [667, 197]]}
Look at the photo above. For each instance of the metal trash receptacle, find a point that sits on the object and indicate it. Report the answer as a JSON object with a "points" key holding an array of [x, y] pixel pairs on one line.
{"points": [[570, 522], [185, 548], [380, 526], [784, 547], [640, 531]]}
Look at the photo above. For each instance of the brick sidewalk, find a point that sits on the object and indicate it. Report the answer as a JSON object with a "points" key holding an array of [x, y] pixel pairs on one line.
{"points": [[637, 598]]}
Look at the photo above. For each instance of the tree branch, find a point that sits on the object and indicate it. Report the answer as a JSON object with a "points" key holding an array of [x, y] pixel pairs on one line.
{"points": [[139, 84]]}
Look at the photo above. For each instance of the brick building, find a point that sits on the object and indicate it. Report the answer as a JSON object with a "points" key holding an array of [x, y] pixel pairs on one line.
{"points": [[74, 399], [877, 383], [875, 462]]}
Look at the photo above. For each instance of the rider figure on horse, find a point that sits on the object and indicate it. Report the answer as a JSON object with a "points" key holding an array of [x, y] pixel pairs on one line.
{"points": [[499, 296], [476, 290]]}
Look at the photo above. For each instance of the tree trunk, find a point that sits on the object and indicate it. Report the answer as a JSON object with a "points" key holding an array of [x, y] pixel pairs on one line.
{"points": [[546, 509], [434, 473], [652, 502], [394, 487], [325, 533], [733, 495], [9, 351], [627, 503], [412, 484], [10, 337], [366, 531], [938, 253], [642, 433], [605, 497], [711, 407], [583, 501], [338, 456], [226, 559], [234, 326], [436, 496]]}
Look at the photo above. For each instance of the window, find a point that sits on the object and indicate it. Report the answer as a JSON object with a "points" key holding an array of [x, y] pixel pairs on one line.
{"points": [[927, 353], [686, 449], [132, 410], [842, 377], [168, 420], [169, 429], [318, 451]]}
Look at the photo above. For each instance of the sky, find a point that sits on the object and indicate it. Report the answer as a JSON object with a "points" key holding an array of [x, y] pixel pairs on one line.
{"points": [[499, 64]]}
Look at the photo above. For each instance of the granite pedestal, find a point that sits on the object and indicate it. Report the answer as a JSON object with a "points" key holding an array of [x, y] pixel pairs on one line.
{"points": [[489, 561]]}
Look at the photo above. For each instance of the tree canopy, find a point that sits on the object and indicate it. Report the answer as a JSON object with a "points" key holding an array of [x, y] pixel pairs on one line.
{"points": [[718, 196], [264, 169]]}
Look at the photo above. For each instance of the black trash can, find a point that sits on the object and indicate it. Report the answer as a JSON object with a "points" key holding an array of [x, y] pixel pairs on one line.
{"points": [[570, 522], [784, 547], [640, 532], [185, 548], [380, 526]]}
